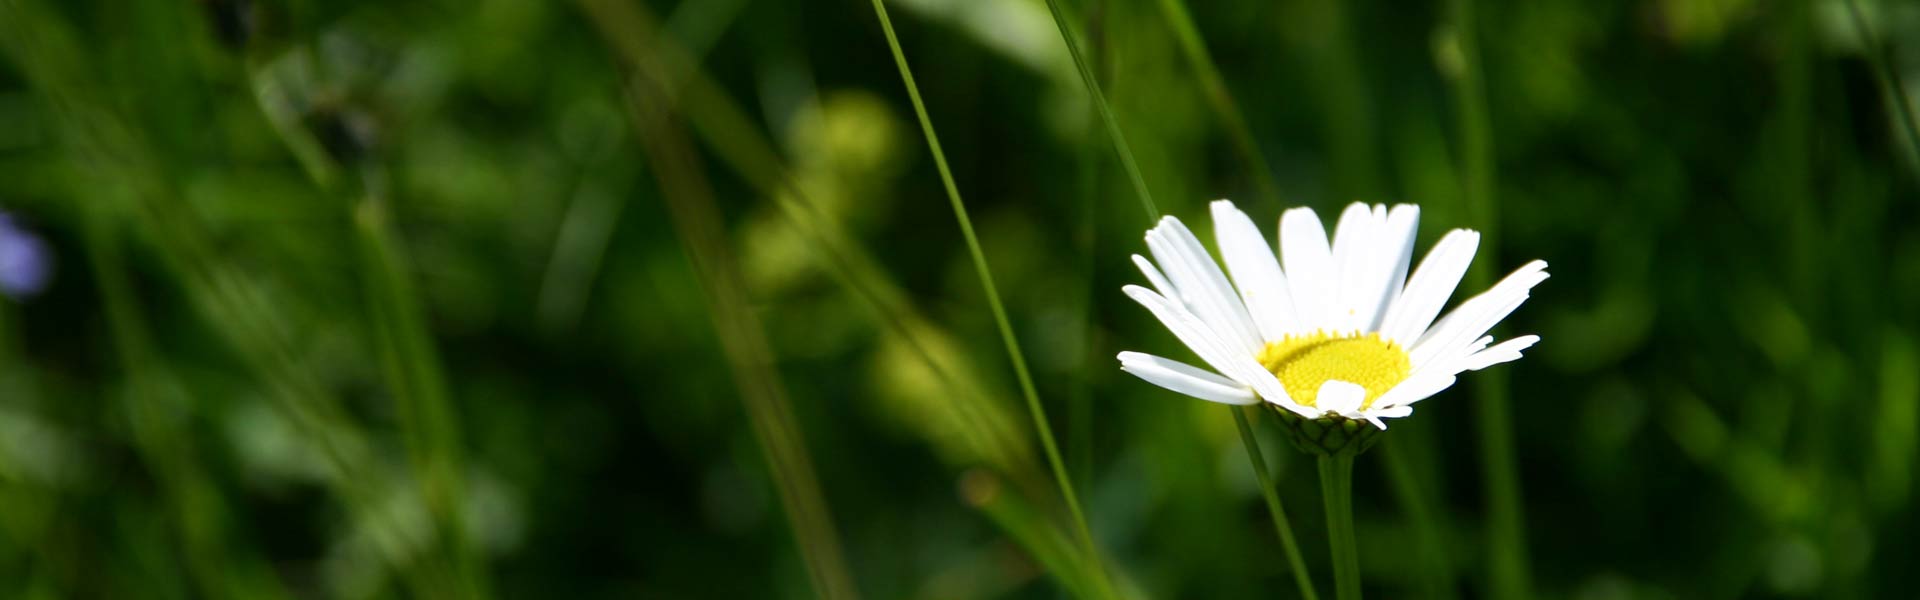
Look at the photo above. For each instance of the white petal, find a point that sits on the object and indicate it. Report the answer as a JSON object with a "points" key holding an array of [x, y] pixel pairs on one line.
{"points": [[1201, 285], [1196, 335], [1431, 285], [1416, 388], [1506, 351], [1374, 415], [1159, 281], [1255, 270], [1309, 267], [1474, 317], [1215, 352], [1353, 248], [1340, 397], [1391, 412], [1396, 245], [1186, 379]]}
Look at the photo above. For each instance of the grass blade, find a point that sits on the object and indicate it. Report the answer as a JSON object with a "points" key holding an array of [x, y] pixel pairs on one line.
{"points": [[200, 513], [1194, 48], [1000, 319], [1295, 563], [635, 38], [1119, 139], [1302, 577], [1437, 575], [1506, 521], [719, 120], [427, 418], [690, 203]]}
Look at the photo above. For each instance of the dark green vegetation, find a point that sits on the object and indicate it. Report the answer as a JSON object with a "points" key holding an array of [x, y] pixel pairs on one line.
{"points": [[632, 298]]}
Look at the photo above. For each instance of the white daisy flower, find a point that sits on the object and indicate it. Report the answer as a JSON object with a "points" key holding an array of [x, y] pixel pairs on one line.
{"points": [[1325, 330]]}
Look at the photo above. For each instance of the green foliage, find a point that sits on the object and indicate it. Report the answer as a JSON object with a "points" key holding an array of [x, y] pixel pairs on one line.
{"points": [[452, 300]]}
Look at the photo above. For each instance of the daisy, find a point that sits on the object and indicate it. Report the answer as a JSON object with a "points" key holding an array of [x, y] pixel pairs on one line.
{"points": [[1325, 331]]}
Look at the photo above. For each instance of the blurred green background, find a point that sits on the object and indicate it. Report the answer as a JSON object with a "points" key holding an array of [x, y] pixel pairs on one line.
{"points": [[665, 299]]}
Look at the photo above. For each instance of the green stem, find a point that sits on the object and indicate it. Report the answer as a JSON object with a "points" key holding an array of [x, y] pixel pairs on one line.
{"points": [[1336, 487], [1301, 577], [1000, 318]]}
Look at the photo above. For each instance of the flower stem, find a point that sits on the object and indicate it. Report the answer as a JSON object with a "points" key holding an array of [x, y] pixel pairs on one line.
{"points": [[1336, 487], [1299, 566]]}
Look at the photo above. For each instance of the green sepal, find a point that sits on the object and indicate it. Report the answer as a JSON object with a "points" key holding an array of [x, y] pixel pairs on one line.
{"points": [[1328, 435]]}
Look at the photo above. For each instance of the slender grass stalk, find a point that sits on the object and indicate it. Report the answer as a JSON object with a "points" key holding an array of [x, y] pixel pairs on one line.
{"points": [[1882, 58], [1295, 563], [1301, 576], [1336, 490], [426, 418], [407, 355], [199, 512], [1193, 47], [1054, 550], [701, 230], [1340, 81], [578, 249], [1080, 413], [1506, 524], [1007, 336], [1088, 79], [1436, 572], [633, 35]]}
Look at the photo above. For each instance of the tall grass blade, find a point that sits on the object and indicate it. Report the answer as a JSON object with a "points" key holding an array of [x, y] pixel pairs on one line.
{"points": [[1295, 562], [1114, 134], [695, 217], [1193, 47], [154, 401], [1080, 413], [635, 38], [427, 419], [426, 414], [1029, 528], [1301, 577], [1436, 572], [1007, 336], [1506, 522]]}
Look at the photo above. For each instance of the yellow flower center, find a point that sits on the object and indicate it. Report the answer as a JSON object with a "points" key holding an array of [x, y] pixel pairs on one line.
{"points": [[1304, 362]]}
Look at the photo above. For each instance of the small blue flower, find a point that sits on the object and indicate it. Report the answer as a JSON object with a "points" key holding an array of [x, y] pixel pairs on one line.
{"points": [[26, 264]]}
